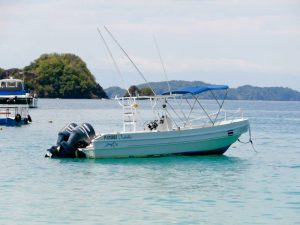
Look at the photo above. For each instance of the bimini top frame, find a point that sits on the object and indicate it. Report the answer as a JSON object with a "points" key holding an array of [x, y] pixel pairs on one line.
{"points": [[194, 91], [161, 102]]}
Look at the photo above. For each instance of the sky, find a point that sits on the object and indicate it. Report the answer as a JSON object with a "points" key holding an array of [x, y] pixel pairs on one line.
{"points": [[234, 42]]}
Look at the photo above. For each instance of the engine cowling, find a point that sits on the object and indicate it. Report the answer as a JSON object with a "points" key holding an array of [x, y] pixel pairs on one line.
{"points": [[65, 133], [70, 139]]}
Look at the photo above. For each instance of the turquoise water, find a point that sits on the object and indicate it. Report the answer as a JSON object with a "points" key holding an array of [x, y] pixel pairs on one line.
{"points": [[241, 187]]}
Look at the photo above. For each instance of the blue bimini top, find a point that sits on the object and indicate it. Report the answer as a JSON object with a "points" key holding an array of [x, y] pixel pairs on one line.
{"points": [[197, 89]]}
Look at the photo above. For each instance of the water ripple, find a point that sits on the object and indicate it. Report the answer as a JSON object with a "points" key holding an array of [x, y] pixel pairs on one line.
{"points": [[239, 188]]}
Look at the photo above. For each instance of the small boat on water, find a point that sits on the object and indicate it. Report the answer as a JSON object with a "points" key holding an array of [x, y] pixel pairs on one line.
{"points": [[14, 115], [12, 92], [172, 131]]}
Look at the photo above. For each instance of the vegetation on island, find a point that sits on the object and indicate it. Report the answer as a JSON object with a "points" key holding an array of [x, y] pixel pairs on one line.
{"points": [[67, 76], [136, 91], [133, 90], [59, 76], [245, 92], [248, 92]]}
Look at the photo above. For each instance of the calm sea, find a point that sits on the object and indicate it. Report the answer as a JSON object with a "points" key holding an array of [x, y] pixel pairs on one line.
{"points": [[241, 187]]}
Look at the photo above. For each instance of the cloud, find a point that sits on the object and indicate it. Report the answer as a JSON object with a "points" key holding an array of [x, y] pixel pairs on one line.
{"points": [[222, 65], [223, 36], [194, 26], [171, 17], [193, 65]]}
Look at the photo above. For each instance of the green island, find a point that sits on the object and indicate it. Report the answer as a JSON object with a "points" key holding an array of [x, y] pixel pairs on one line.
{"points": [[67, 76], [58, 76]]}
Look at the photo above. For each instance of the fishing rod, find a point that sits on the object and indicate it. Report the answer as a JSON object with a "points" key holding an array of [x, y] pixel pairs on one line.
{"points": [[162, 64], [114, 62], [125, 53]]}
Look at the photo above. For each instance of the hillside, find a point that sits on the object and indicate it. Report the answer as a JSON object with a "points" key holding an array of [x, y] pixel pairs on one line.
{"points": [[245, 92], [248, 92], [58, 76], [114, 91]]}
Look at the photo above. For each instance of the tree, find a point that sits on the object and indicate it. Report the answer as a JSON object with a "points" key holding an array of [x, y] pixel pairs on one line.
{"points": [[1, 71], [62, 76], [133, 90], [146, 91]]}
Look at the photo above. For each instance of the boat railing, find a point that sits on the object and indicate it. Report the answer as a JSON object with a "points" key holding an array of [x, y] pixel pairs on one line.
{"points": [[11, 111], [224, 115], [231, 115], [5, 112], [180, 117]]}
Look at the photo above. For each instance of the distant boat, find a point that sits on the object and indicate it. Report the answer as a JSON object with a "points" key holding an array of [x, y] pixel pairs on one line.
{"points": [[164, 135], [12, 92], [14, 115]]}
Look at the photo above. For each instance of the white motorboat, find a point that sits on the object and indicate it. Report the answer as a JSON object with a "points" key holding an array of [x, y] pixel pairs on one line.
{"points": [[12, 92], [171, 132], [164, 136]]}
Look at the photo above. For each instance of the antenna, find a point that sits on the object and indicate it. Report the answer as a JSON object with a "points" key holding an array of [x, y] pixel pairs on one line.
{"points": [[114, 61], [141, 74], [162, 64]]}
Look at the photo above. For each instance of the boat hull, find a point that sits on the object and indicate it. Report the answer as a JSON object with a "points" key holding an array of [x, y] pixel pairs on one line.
{"points": [[19, 100], [12, 122], [195, 141]]}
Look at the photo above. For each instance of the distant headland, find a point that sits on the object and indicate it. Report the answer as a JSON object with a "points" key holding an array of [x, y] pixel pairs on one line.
{"points": [[246, 92], [67, 76]]}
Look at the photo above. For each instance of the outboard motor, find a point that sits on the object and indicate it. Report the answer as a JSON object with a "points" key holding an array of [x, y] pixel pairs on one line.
{"points": [[69, 142], [65, 133]]}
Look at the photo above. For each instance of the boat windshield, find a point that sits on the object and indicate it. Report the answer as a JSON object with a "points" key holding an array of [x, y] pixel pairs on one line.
{"points": [[11, 84]]}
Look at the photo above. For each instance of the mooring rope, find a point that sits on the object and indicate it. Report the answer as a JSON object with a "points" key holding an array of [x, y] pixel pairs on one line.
{"points": [[250, 141]]}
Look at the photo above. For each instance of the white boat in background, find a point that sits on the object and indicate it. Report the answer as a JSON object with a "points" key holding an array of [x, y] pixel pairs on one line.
{"points": [[171, 132], [12, 92]]}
